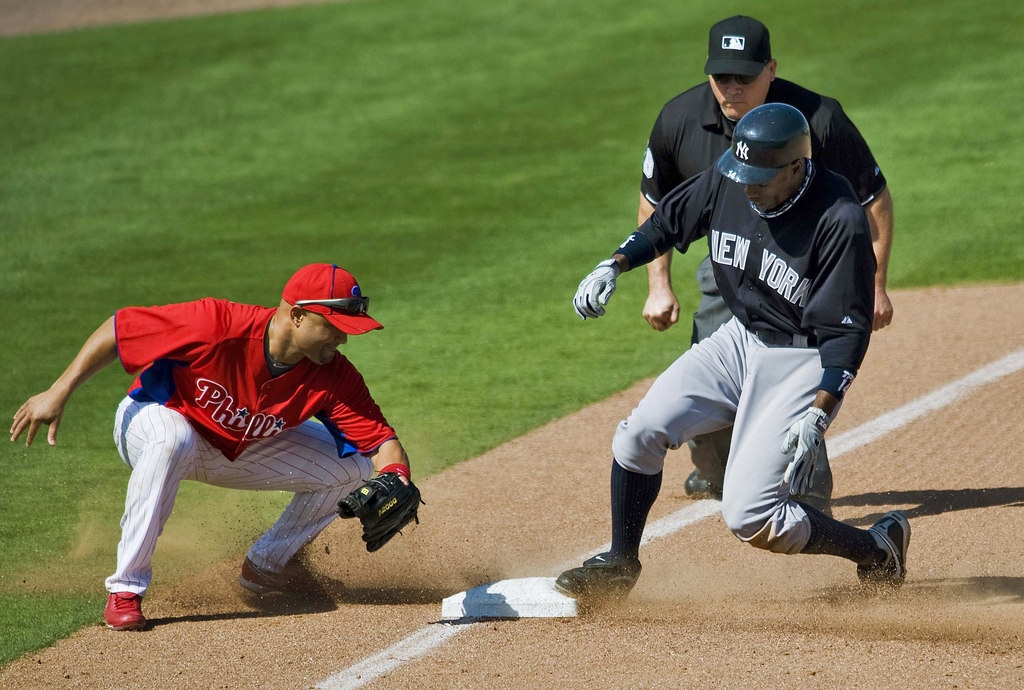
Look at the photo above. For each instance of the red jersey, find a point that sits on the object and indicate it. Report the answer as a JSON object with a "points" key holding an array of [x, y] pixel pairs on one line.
{"points": [[205, 359]]}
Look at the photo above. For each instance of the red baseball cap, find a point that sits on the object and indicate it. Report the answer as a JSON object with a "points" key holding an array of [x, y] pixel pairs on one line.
{"points": [[332, 292]]}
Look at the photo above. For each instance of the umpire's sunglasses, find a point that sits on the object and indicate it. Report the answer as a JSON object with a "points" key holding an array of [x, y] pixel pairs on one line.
{"points": [[348, 305], [741, 79]]}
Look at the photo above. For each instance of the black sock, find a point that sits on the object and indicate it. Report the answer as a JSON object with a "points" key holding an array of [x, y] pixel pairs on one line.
{"points": [[633, 494], [836, 538]]}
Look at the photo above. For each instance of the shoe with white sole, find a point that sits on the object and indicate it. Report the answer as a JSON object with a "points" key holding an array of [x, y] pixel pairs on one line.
{"points": [[124, 611], [892, 534]]}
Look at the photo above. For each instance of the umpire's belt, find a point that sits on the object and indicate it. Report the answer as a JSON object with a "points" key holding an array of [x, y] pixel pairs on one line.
{"points": [[779, 338]]}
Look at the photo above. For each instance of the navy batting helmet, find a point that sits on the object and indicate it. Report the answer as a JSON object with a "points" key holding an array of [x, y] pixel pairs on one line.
{"points": [[768, 138]]}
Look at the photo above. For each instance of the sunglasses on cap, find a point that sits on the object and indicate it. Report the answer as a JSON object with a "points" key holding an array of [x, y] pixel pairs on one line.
{"points": [[741, 79], [348, 305]]}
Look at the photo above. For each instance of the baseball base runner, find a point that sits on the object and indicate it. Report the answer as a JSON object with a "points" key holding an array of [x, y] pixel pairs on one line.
{"points": [[793, 259]]}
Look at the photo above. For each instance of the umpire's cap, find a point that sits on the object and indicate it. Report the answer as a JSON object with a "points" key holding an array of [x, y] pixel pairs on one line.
{"points": [[738, 45], [767, 139]]}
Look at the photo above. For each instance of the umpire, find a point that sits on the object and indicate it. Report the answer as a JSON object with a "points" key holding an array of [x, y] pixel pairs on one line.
{"points": [[691, 132]]}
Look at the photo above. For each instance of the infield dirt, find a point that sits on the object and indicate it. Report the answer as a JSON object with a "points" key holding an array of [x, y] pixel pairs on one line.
{"points": [[708, 611]]}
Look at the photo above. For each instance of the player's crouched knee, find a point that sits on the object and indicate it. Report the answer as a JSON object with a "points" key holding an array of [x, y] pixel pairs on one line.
{"points": [[638, 449], [762, 530]]}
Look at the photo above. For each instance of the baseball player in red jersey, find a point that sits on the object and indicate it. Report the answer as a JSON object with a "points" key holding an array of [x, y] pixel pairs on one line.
{"points": [[238, 396]]}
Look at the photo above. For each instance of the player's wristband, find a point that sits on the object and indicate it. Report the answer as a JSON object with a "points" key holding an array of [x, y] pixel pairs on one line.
{"points": [[835, 380], [397, 468], [638, 250]]}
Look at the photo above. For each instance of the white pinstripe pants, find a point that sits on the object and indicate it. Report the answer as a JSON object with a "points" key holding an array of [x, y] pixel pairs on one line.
{"points": [[163, 448]]}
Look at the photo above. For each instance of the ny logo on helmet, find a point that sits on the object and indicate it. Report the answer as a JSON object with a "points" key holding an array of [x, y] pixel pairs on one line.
{"points": [[742, 151]]}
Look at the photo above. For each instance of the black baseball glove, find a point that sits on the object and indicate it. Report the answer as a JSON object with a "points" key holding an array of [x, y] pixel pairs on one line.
{"points": [[384, 505]]}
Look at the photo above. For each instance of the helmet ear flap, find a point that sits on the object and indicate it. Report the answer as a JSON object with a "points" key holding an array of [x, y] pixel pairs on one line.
{"points": [[767, 139]]}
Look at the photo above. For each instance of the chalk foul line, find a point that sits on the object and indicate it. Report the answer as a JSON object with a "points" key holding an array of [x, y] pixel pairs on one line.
{"points": [[378, 665], [936, 400]]}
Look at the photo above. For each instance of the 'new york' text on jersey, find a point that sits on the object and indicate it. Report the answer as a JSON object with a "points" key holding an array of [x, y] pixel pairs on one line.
{"points": [[809, 270]]}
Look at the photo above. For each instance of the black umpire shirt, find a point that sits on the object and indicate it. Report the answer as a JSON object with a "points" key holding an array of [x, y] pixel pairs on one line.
{"points": [[808, 269], [691, 133]]}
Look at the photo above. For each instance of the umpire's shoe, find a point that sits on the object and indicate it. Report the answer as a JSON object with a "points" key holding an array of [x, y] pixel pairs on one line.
{"points": [[605, 576], [697, 486], [820, 495], [892, 534]]}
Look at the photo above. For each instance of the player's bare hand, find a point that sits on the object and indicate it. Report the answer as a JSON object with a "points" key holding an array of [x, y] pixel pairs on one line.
{"points": [[883, 310], [45, 408], [661, 310]]}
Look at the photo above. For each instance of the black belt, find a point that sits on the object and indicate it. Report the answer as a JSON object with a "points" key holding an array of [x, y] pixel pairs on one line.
{"points": [[772, 337]]}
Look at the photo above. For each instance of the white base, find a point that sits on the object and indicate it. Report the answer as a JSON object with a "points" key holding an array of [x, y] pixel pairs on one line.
{"points": [[530, 597]]}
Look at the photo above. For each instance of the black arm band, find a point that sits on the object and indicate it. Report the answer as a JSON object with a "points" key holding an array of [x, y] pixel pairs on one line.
{"points": [[638, 250], [835, 380]]}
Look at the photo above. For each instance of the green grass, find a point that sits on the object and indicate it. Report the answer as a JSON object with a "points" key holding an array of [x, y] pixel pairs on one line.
{"points": [[469, 162], [22, 629]]}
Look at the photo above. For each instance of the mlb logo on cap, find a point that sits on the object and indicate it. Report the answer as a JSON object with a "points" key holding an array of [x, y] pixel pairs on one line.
{"points": [[732, 43]]}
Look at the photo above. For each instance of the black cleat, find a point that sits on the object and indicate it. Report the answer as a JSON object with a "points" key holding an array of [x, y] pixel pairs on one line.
{"points": [[605, 576], [697, 486], [892, 534]]}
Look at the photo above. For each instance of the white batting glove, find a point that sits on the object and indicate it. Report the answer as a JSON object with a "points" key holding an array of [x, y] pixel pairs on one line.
{"points": [[596, 289], [805, 439]]}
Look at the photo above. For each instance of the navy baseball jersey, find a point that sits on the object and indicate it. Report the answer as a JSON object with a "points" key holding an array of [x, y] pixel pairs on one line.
{"points": [[807, 268], [691, 133]]}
